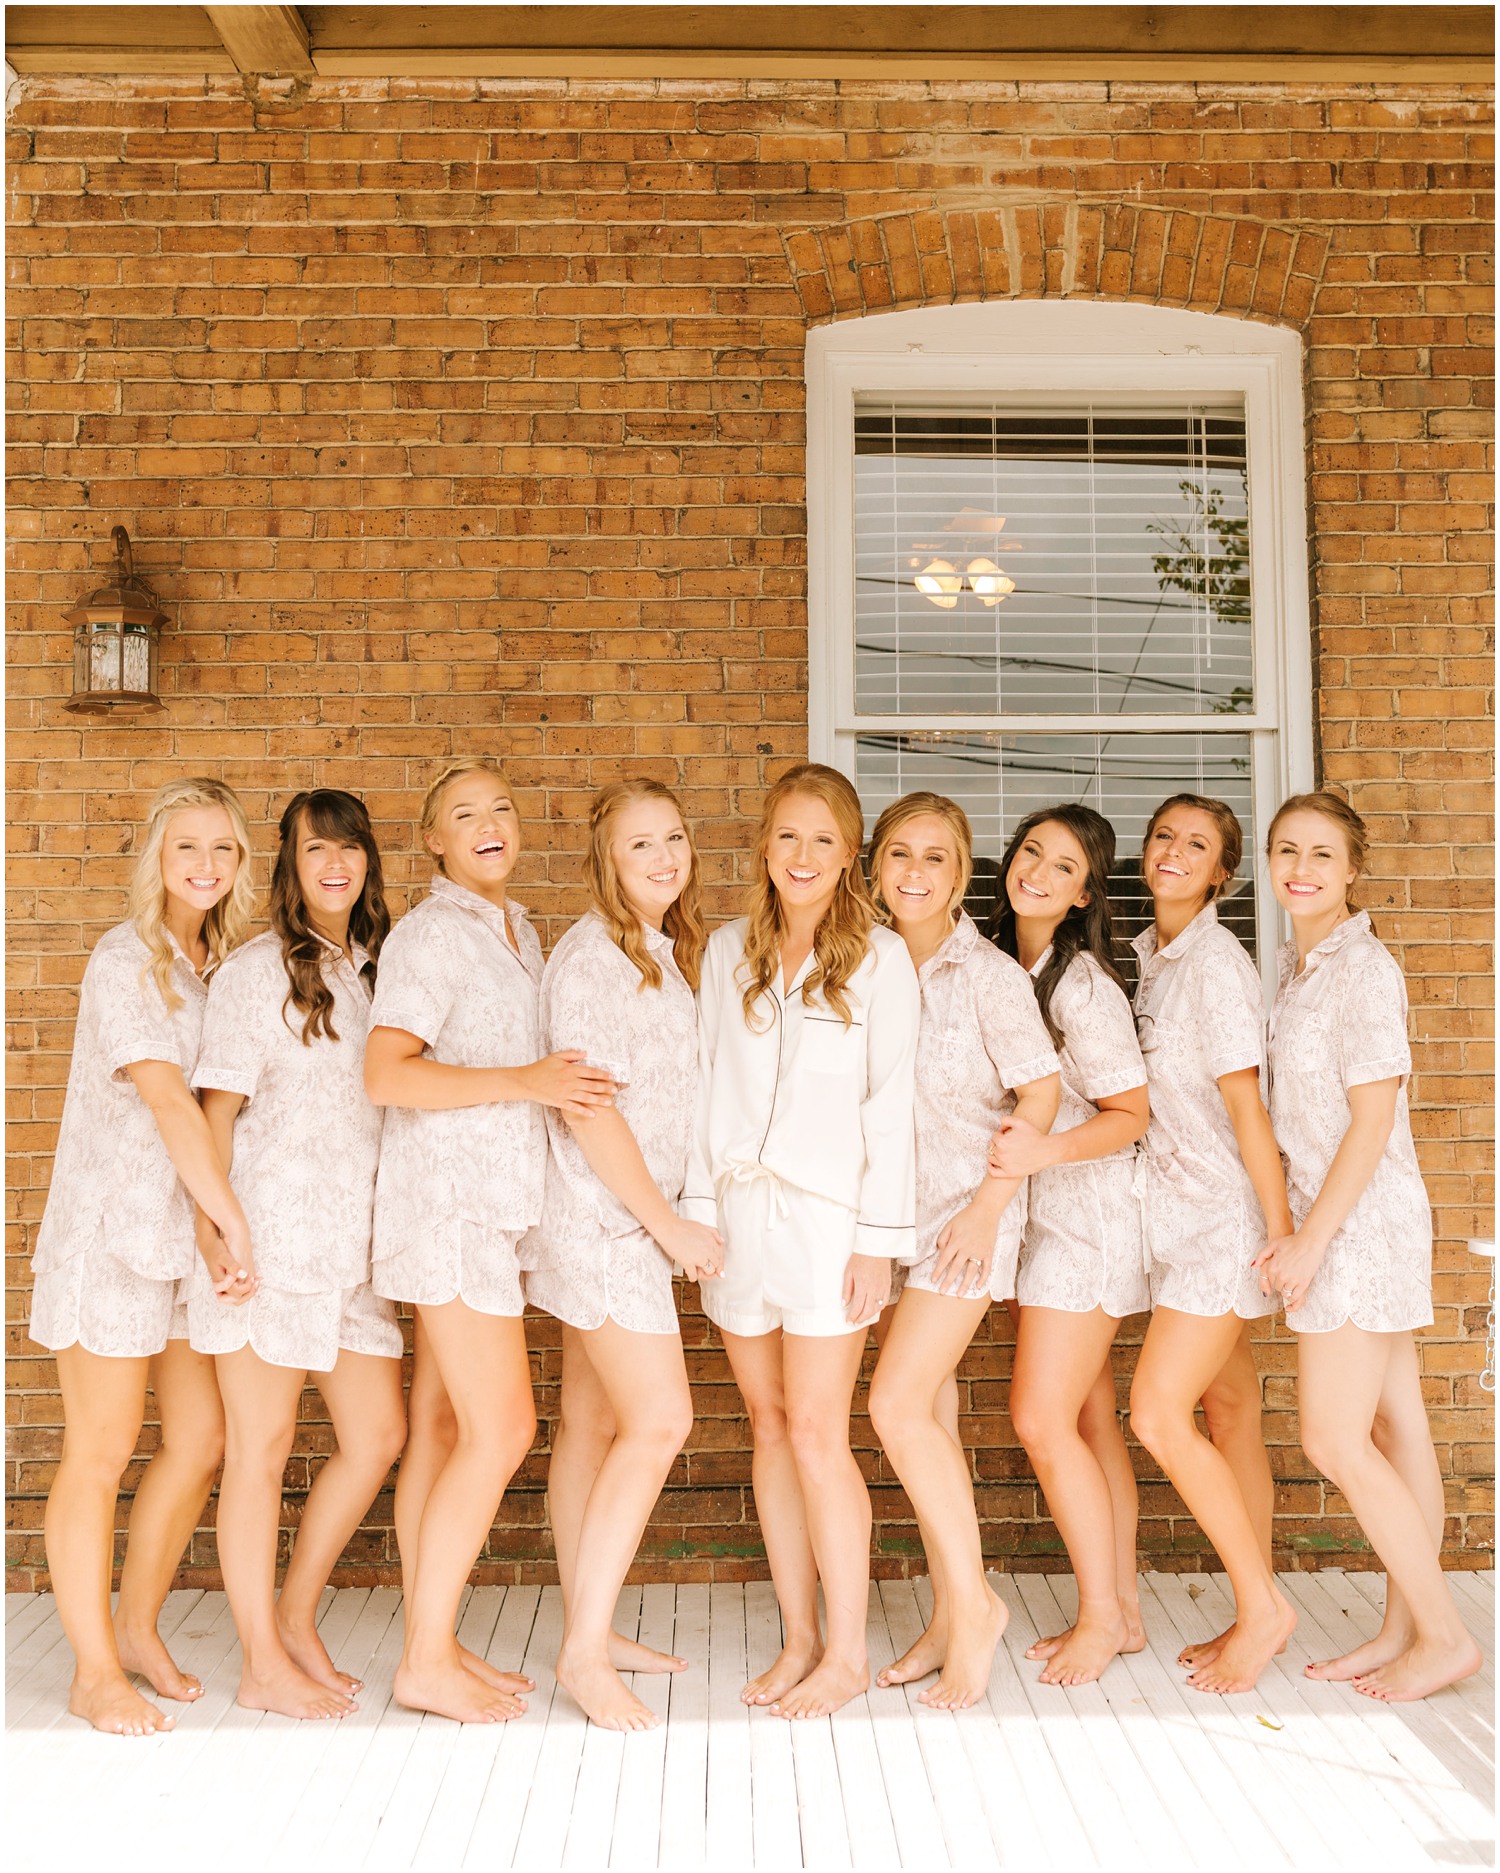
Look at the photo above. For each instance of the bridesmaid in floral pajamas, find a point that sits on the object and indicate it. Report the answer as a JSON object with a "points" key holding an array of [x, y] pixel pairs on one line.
{"points": [[982, 1053], [620, 986], [1355, 1274], [1083, 1264], [116, 1240], [1214, 1195], [452, 1054], [281, 1077]]}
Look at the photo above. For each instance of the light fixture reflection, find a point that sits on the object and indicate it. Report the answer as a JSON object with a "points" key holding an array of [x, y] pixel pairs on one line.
{"points": [[939, 584]]}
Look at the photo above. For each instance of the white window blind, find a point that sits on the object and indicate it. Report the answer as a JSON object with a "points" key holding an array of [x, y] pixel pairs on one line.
{"points": [[1057, 553]]}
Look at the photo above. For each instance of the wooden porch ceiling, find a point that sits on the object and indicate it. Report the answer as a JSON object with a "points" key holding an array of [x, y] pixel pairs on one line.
{"points": [[1411, 44]]}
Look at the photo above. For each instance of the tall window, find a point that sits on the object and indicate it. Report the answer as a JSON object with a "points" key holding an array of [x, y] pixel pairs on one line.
{"points": [[1058, 555]]}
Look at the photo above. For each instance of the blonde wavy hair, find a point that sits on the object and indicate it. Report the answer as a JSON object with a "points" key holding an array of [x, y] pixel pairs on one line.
{"points": [[683, 922], [900, 813], [432, 800], [1355, 833], [843, 937], [228, 923]]}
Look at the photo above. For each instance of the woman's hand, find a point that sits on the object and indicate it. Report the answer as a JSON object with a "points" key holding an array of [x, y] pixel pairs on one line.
{"points": [[966, 1250], [697, 1250], [1018, 1148], [1287, 1265], [566, 1081], [867, 1287], [230, 1264]]}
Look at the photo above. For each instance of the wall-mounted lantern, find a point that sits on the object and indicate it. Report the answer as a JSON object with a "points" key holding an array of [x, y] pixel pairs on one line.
{"points": [[116, 634]]}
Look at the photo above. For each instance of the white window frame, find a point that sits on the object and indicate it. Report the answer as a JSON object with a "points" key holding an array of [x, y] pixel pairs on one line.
{"points": [[1052, 352]]}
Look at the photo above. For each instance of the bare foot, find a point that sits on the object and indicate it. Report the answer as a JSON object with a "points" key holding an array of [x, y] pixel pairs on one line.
{"points": [[793, 1663], [1205, 1651], [1248, 1648], [602, 1694], [309, 1654], [1086, 1651], [144, 1652], [825, 1689], [630, 1655], [515, 1682], [1421, 1670], [1383, 1649], [114, 1706], [448, 1690], [919, 1660], [286, 1688], [971, 1653], [1135, 1640]]}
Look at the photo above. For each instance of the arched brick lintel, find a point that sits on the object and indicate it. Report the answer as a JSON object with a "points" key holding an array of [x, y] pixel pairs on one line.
{"points": [[1065, 250]]}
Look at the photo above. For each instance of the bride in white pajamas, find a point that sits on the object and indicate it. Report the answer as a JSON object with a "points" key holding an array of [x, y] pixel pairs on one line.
{"points": [[983, 1054], [803, 1159], [619, 985], [1355, 1274]]}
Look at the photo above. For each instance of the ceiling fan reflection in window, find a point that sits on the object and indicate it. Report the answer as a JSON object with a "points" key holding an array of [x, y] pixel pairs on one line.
{"points": [[942, 583]]}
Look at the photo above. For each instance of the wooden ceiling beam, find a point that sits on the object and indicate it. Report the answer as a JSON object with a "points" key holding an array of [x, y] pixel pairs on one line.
{"points": [[268, 42]]}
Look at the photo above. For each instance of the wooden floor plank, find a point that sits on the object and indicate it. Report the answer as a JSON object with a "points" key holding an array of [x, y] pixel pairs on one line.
{"points": [[684, 1803], [867, 1817], [591, 1824], [637, 1818], [728, 1807], [915, 1823], [776, 1827], [502, 1808], [820, 1801]]}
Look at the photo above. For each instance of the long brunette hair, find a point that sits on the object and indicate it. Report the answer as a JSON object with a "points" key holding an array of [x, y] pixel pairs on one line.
{"points": [[683, 921], [228, 922], [843, 936], [326, 813], [1087, 927]]}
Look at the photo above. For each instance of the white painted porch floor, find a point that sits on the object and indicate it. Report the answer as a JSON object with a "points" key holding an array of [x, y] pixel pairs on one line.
{"points": [[1136, 1771]]}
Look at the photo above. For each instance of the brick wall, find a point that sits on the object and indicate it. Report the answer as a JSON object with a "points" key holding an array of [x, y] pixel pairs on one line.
{"points": [[454, 416]]}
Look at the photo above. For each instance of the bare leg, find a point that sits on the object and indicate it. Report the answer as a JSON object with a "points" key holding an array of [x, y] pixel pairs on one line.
{"points": [[432, 1431], [1401, 1434], [481, 1361], [104, 1403], [1344, 1379], [645, 1380], [931, 1648], [924, 1345], [1231, 1412], [819, 1376], [167, 1508], [363, 1396], [1182, 1354], [757, 1366], [1059, 1357], [260, 1411], [585, 1433]]}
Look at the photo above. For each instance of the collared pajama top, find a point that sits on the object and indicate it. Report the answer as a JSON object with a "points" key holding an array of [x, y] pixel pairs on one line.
{"points": [[307, 1140], [1342, 1023], [806, 1100], [981, 1035], [1082, 1247], [113, 1185], [448, 975], [1199, 1014], [593, 998]]}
